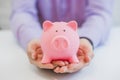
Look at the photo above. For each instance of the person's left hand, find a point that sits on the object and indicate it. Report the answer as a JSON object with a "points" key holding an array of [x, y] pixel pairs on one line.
{"points": [[85, 54]]}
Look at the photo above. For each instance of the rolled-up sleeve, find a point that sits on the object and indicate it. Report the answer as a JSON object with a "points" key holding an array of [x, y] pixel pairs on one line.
{"points": [[24, 21], [98, 21]]}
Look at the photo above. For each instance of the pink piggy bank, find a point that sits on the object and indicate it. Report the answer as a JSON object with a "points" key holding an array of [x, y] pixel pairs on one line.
{"points": [[60, 41]]}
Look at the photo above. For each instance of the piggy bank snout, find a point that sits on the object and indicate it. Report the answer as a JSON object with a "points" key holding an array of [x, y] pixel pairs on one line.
{"points": [[60, 43]]}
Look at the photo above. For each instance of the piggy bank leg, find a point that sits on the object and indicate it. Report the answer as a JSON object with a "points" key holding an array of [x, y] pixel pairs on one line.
{"points": [[74, 59], [45, 59]]}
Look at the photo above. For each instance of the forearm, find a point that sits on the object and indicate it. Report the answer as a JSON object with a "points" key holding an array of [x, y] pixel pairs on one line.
{"points": [[24, 22], [97, 23]]}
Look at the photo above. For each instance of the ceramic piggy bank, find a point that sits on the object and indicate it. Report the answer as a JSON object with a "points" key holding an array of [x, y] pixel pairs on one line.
{"points": [[60, 41]]}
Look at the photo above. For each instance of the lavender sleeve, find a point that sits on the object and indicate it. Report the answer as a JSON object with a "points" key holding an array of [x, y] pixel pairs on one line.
{"points": [[24, 21], [98, 21]]}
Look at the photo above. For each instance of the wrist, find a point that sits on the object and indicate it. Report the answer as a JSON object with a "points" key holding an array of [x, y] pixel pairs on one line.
{"points": [[87, 40], [87, 45]]}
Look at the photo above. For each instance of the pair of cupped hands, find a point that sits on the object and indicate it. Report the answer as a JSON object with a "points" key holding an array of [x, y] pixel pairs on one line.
{"points": [[84, 55]]}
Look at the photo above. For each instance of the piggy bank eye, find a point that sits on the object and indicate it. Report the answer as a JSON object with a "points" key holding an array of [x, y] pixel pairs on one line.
{"points": [[64, 30], [56, 31]]}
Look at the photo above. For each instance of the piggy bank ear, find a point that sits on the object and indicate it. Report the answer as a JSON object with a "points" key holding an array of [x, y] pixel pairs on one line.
{"points": [[73, 25], [47, 25]]}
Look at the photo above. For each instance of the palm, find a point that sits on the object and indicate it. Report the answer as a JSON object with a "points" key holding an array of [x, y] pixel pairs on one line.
{"points": [[84, 55], [35, 55]]}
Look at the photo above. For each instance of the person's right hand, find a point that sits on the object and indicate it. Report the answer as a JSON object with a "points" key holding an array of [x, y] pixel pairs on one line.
{"points": [[35, 55]]}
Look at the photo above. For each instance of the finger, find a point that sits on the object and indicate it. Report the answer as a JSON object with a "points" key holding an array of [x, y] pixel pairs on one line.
{"points": [[80, 58], [66, 62], [85, 49], [40, 56], [39, 50], [33, 45], [65, 69], [31, 53], [30, 50], [87, 59], [46, 66], [80, 53], [62, 69], [58, 63], [57, 69], [83, 55], [34, 56], [75, 67], [41, 65]]}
